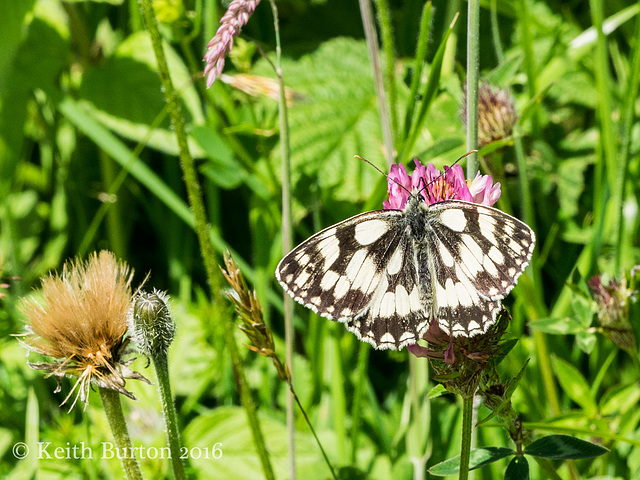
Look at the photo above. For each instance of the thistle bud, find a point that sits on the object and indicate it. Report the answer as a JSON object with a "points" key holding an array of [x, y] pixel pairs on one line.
{"points": [[150, 322]]}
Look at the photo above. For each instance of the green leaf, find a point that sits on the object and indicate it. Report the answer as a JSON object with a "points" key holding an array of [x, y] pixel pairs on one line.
{"points": [[557, 326], [557, 447], [336, 118], [479, 458], [226, 429], [437, 391], [586, 341], [125, 94], [620, 399], [518, 469], [574, 385]]}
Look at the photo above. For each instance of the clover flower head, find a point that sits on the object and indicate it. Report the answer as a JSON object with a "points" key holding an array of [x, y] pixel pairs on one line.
{"points": [[496, 114], [612, 300], [236, 17], [435, 186]]}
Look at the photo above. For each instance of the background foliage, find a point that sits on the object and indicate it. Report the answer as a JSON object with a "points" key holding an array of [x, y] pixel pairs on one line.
{"points": [[88, 161]]}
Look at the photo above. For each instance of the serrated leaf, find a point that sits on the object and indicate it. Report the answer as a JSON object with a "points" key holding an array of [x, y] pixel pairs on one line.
{"points": [[563, 447], [479, 458], [336, 118], [518, 469], [574, 384]]}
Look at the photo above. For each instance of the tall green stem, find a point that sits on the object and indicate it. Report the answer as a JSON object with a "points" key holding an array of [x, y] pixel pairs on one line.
{"points": [[374, 58], [467, 431], [206, 247], [169, 411], [386, 30], [113, 410], [287, 236], [473, 55]]}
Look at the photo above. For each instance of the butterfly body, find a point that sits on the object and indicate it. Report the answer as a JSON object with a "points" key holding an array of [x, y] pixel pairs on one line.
{"points": [[387, 273]]}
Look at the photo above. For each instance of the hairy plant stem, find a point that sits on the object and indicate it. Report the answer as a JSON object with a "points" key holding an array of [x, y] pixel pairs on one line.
{"points": [[374, 57], [467, 432], [473, 55], [161, 364], [386, 30], [206, 246], [287, 238], [113, 410]]}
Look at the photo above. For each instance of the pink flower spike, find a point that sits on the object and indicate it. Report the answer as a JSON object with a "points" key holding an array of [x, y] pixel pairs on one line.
{"points": [[231, 23]]}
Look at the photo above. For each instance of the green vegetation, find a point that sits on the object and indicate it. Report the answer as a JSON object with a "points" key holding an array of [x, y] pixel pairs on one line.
{"points": [[90, 160]]}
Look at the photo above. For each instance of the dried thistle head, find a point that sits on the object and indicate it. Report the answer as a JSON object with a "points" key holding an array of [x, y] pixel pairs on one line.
{"points": [[496, 114], [80, 320]]}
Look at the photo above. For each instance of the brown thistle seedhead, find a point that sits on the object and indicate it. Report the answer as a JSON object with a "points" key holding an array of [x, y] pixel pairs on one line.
{"points": [[496, 114], [231, 23], [249, 310], [80, 320], [150, 323]]}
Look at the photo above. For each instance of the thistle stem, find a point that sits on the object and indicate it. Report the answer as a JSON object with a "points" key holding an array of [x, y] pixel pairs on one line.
{"points": [[113, 410], [169, 411], [467, 431]]}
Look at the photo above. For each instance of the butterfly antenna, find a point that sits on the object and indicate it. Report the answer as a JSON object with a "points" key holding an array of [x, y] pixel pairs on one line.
{"points": [[393, 179]]}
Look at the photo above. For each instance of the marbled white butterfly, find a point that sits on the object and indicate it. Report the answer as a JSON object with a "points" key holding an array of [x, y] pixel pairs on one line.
{"points": [[385, 274]]}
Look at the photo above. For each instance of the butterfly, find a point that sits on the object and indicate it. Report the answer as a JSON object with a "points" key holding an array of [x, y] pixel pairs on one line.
{"points": [[385, 274]]}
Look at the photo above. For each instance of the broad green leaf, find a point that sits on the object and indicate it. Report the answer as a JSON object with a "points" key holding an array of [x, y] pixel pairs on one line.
{"points": [[479, 458], [221, 168], [11, 31], [556, 447], [226, 428], [125, 94], [574, 385], [518, 469], [336, 118]]}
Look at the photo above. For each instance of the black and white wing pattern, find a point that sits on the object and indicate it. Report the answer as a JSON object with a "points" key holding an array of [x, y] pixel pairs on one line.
{"points": [[386, 273]]}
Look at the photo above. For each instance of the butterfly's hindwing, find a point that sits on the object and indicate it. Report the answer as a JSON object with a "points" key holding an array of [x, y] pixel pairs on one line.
{"points": [[387, 273], [478, 252]]}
